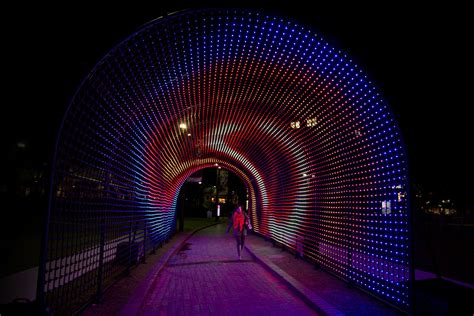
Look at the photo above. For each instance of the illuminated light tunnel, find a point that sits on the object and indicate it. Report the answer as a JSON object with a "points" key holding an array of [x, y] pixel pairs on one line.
{"points": [[295, 118]]}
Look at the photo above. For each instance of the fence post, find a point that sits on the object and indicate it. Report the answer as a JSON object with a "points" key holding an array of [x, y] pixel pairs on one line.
{"points": [[101, 260], [144, 241], [299, 246], [129, 261]]}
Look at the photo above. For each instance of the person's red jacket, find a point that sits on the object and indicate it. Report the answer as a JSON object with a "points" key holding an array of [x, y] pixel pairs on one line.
{"points": [[238, 220]]}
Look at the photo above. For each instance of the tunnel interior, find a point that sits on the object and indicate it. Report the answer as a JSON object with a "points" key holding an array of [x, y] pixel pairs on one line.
{"points": [[210, 193], [302, 126]]}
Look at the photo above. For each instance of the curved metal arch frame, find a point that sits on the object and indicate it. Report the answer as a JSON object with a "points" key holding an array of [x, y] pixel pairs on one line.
{"points": [[349, 183]]}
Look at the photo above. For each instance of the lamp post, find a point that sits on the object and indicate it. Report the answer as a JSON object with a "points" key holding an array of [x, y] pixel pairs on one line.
{"points": [[182, 197], [217, 192]]}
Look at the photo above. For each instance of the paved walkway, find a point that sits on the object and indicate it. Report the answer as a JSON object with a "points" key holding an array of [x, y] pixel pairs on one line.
{"points": [[329, 295], [206, 277], [201, 275]]}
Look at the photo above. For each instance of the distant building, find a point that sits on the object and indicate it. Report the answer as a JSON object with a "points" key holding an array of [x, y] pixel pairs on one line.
{"points": [[442, 207]]}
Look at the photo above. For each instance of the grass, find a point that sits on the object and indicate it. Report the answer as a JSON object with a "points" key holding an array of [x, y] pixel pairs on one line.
{"points": [[191, 223]]}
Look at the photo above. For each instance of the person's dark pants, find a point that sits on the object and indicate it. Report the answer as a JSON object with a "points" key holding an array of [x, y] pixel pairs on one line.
{"points": [[240, 238]]}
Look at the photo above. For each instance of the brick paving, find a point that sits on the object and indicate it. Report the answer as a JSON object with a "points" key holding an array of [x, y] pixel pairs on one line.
{"points": [[201, 274], [331, 295], [206, 278], [124, 295]]}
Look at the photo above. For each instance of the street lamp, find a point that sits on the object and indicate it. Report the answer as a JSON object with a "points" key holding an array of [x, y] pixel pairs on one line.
{"points": [[217, 191]]}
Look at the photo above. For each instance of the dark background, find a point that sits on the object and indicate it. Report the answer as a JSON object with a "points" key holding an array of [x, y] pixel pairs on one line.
{"points": [[417, 55]]}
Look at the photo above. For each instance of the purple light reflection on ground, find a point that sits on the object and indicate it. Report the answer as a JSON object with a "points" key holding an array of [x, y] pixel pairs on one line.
{"points": [[206, 278]]}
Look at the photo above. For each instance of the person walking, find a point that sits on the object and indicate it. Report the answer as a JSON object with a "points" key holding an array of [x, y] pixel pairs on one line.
{"points": [[240, 223]]}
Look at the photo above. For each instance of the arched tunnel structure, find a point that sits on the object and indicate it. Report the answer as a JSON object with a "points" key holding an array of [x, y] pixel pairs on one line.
{"points": [[295, 118]]}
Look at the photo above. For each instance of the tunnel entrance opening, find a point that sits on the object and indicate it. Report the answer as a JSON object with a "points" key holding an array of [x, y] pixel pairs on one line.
{"points": [[210, 193]]}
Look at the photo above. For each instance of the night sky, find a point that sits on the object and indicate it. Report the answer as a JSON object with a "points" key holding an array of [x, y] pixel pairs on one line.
{"points": [[417, 56]]}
